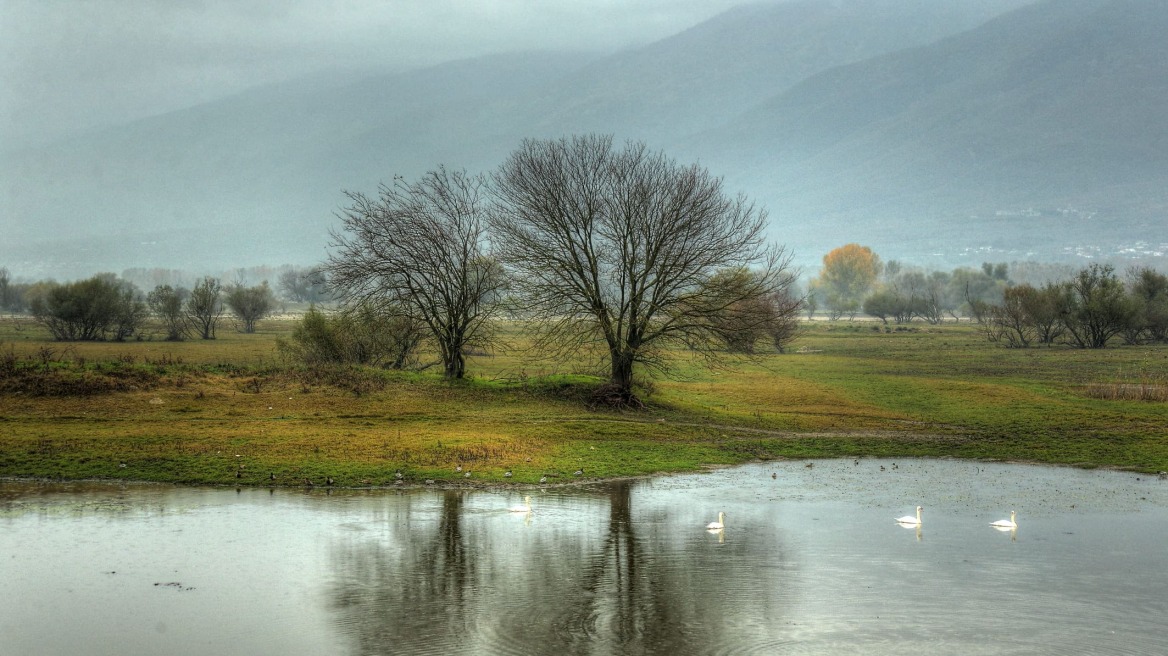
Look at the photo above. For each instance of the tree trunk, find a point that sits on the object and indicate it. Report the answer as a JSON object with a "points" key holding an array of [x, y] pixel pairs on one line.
{"points": [[622, 373], [455, 364]]}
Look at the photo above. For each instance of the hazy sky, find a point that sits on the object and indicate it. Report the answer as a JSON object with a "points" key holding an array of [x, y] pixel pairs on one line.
{"points": [[72, 64]]}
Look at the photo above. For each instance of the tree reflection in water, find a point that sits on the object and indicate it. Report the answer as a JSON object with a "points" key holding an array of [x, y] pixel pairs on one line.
{"points": [[469, 579], [398, 594], [621, 589]]}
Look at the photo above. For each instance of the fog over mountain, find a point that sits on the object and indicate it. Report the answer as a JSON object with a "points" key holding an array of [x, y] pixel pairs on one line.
{"points": [[954, 131]]}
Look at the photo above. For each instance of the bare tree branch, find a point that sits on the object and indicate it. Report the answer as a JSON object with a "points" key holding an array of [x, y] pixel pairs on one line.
{"points": [[419, 248], [621, 248]]}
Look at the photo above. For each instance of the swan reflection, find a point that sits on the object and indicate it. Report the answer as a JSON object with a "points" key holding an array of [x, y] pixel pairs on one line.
{"points": [[917, 527]]}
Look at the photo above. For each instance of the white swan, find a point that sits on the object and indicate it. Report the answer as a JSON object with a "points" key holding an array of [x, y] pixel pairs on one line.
{"points": [[1005, 523], [909, 519], [718, 525], [526, 507]]}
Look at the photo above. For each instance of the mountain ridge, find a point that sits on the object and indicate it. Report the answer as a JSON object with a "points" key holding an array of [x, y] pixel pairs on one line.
{"points": [[934, 120]]}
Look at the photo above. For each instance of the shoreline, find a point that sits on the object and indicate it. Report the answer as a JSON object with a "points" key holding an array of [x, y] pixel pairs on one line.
{"points": [[445, 485]]}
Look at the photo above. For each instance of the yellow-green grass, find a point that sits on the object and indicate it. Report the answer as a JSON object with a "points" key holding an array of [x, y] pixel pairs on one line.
{"points": [[228, 411]]}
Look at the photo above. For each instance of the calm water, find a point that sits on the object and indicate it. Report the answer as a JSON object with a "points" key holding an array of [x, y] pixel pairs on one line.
{"points": [[810, 561]]}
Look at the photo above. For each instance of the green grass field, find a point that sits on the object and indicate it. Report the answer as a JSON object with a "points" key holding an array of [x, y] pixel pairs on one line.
{"points": [[229, 411]]}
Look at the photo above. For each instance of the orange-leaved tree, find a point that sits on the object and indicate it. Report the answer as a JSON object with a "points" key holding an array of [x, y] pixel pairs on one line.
{"points": [[846, 278]]}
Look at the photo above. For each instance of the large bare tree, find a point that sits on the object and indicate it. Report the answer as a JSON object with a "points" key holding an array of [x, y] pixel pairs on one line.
{"points": [[621, 248], [419, 248]]}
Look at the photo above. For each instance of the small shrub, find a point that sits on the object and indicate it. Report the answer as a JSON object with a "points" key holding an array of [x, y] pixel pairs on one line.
{"points": [[359, 335]]}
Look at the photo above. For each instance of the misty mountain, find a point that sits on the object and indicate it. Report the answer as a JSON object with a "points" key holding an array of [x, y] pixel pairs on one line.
{"points": [[1052, 107], [877, 120], [714, 71], [256, 175]]}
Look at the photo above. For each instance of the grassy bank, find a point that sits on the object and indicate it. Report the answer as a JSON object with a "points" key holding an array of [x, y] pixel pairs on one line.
{"points": [[228, 412]]}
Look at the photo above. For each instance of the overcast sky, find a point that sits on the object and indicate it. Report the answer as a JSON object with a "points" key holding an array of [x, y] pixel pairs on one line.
{"points": [[72, 64]]}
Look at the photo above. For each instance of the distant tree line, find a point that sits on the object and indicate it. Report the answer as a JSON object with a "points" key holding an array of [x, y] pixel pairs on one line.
{"points": [[1088, 308], [854, 280], [107, 307]]}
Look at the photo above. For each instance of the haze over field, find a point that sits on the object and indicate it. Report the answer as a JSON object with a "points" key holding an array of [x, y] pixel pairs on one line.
{"points": [[148, 134]]}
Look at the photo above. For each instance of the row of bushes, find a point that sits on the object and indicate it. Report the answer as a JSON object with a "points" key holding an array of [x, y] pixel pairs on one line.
{"points": [[105, 307], [1088, 311]]}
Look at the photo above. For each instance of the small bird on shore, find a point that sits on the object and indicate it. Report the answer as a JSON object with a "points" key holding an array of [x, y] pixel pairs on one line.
{"points": [[507, 474], [543, 479], [458, 468], [578, 472], [398, 475], [466, 475], [272, 476], [329, 480]]}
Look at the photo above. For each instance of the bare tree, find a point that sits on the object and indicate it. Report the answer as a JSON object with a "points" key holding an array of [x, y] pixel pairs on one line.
{"points": [[303, 286], [420, 248], [1045, 310], [747, 319], [1011, 320], [204, 307], [621, 248], [166, 303], [5, 300], [250, 304], [786, 304], [1097, 307], [1148, 289]]}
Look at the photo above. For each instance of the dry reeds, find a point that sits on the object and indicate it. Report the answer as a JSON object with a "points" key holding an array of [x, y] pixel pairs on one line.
{"points": [[1148, 387]]}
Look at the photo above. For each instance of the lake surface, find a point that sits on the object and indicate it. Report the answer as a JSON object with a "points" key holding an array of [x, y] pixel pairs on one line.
{"points": [[810, 562]]}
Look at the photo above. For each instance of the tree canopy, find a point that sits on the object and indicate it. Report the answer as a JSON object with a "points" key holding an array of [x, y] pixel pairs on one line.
{"points": [[624, 249], [848, 274], [418, 250]]}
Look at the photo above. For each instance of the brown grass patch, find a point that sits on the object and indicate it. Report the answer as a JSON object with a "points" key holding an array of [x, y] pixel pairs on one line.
{"points": [[1128, 391]]}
